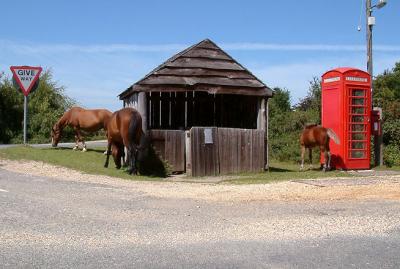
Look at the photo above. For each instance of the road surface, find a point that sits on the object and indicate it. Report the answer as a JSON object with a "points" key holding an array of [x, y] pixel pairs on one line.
{"points": [[48, 222]]}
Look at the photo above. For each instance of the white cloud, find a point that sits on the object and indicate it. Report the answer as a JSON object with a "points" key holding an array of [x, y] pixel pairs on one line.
{"points": [[27, 48]]}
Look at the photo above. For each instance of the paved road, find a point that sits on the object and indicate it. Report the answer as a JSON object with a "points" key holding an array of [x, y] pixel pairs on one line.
{"points": [[56, 223], [89, 144]]}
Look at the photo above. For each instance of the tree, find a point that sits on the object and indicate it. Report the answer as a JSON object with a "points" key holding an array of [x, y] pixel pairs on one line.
{"points": [[387, 96], [46, 104], [312, 102], [11, 110]]}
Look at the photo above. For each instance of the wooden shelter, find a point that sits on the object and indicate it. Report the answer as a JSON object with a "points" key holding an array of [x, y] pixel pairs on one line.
{"points": [[206, 93]]}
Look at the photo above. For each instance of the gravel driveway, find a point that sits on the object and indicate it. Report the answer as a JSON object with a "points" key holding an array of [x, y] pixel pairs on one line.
{"points": [[56, 218]]}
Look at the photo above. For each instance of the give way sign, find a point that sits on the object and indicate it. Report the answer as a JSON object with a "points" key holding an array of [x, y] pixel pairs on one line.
{"points": [[26, 76]]}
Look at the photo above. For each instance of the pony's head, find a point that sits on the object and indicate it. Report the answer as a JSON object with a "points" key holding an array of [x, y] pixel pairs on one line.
{"points": [[118, 153], [55, 135]]}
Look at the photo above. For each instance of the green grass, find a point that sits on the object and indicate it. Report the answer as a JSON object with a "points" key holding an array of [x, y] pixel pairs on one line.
{"points": [[90, 162], [280, 171]]}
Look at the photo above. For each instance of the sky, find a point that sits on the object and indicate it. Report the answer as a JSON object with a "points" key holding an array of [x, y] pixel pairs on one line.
{"points": [[97, 49]]}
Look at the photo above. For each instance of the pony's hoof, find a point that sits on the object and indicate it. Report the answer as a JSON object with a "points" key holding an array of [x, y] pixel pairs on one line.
{"points": [[84, 150], [75, 148], [132, 172], [105, 152]]}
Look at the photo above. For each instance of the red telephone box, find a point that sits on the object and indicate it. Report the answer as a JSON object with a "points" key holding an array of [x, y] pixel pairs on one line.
{"points": [[346, 109]]}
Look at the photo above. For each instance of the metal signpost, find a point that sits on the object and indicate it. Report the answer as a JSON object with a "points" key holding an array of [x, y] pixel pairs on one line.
{"points": [[26, 77]]}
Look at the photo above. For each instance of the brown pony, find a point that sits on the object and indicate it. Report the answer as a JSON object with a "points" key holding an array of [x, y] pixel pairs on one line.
{"points": [[313, 136], [90, 120], [124, 129]]}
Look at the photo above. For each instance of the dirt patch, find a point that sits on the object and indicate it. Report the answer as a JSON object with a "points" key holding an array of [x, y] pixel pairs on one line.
{"points": [[363, 187]]}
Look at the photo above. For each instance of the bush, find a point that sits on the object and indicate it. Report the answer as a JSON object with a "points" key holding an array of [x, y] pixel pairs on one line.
{"points": [[391, 155]]}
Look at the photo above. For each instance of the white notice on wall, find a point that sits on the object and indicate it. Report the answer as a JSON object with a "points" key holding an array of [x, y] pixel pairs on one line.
{"points": [[208, 136]]}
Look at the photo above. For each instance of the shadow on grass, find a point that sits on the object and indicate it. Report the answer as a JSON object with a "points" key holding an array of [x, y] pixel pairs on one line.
{"points": [[153, 166], [277, 169]]}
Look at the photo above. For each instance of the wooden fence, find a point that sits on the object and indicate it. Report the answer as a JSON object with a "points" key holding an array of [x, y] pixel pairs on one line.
{"points": [[216, 151], [211, 151], [170, 146]]}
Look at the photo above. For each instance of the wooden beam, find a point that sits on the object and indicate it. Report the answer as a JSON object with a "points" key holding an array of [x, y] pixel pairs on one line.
{"points": [[189, 81], [142, 108]]}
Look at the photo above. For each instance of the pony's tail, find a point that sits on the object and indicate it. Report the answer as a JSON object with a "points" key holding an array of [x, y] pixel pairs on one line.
{"points": [[135, 124], [332, 135]]}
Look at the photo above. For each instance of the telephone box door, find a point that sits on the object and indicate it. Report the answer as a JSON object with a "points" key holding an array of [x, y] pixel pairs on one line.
{"points": [[358, 143]]}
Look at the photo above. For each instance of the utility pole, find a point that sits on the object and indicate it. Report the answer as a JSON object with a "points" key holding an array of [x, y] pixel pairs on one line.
{"points": [[369, 40], [378, 145]]}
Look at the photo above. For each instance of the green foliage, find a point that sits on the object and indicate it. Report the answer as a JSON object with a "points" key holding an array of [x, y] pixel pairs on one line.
{"points": [[387, 96], [11, 111], [391, 155], [45, 105], [312, 102], [286, 124]]}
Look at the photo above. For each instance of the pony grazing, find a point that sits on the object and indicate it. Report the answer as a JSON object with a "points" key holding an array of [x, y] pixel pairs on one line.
{"points": [[317, 136], [124, 129], [89, 120]]}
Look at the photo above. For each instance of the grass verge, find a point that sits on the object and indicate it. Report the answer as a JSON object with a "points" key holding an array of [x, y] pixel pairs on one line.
{"points": [[280, 171], [90, 162]]}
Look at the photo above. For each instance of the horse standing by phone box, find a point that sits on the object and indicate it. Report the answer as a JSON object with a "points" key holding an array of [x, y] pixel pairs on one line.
{"points": [[89, 120], [317, 136]]}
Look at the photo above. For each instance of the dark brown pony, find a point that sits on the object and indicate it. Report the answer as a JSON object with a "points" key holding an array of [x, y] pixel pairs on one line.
{"points": [[317, 136], [89, 120], [124, 129]]}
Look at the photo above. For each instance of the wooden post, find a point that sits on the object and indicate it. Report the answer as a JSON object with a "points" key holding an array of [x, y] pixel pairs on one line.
{"points": [[266, 151], [188, 150], [142, 108], [261, 114]]}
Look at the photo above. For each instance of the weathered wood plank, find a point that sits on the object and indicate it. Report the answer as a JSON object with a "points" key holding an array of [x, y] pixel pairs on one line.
{"points": [[206, 88], [170, 146], [204, 156], [198, 72], [204, 63], [207, 53], [190, 81]]}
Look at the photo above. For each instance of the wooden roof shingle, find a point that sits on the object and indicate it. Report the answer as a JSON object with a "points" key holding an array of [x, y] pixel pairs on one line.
{"points": [[201, 67]]}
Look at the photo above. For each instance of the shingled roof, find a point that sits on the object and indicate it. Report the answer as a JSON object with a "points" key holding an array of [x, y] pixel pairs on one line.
{"points": [[201, 67]]}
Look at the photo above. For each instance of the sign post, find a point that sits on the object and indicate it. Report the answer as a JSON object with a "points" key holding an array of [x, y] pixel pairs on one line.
{"points": [[26, 77]]}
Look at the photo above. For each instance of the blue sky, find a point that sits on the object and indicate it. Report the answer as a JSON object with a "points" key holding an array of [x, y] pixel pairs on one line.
{"points": [[96, 49]]}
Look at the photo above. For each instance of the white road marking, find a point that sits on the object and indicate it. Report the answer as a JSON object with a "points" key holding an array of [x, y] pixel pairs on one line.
{"points": [[1, 190]]}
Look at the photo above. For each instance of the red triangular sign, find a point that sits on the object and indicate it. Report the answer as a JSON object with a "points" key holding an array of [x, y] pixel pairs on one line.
{"points": [[26, 76]]}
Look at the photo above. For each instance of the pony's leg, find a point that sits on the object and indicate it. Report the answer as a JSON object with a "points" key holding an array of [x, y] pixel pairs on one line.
{"points": [[329, 160], [108, 154], [76, 142], [84, 146], [303, 149], [126, 156], [310, 157], [326, 160], [132, 160], [79, 138]]}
